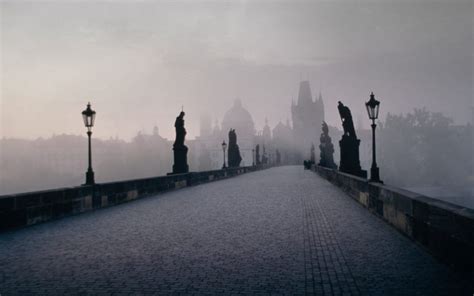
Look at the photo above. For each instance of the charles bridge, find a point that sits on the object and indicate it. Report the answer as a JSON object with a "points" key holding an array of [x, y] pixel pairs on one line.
{"points": [[265, 229], [258, 230]]}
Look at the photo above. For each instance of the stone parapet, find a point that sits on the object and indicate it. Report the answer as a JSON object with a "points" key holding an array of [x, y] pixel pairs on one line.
{"points": [[25, 209], [445, 230]]}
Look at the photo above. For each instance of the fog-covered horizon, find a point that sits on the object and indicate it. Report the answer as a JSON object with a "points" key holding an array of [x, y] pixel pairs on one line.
{"points": [[139, 62]]}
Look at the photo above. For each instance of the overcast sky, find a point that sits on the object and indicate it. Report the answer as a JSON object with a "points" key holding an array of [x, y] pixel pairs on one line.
{"points": [[139, 62]]}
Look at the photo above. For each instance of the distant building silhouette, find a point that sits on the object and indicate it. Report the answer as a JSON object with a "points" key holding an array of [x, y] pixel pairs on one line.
{"points": [[59, 161], [283, 141], [238, 118], [307, 115]]}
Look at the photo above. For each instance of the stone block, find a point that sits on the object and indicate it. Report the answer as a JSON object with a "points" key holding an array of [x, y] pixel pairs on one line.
{"points": [[27, 200], [7, 204], [13, 219], [104, 200], [39, 214], [87, 203], [132, 194]]}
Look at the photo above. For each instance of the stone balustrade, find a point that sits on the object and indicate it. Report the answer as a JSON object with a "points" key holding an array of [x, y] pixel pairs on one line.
{"points": [[35, 207], [446, 230]]}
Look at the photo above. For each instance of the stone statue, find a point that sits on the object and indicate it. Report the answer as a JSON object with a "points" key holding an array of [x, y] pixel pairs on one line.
{"points": [[257, 155], [234, 157], [349, 145], [180, 150], [180, 130], [326, 149], [312, 155], [264, 156], [346, 117]]}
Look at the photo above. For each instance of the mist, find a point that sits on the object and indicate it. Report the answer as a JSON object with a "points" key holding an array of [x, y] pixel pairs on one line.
{"points": [[140, 63]]}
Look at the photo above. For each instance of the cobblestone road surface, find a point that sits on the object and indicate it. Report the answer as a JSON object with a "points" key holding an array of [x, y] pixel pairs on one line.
{"points": [[282, 231]]}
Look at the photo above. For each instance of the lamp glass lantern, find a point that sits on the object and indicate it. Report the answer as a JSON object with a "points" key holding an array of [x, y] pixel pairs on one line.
{"points": [[372, 107], [88, 116]]}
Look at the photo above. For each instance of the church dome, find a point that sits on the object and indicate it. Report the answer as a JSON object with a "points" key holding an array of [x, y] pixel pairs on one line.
{"points": [[238, 118]]}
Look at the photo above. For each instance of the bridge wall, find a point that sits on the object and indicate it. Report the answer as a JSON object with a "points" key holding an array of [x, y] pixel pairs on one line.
{"points": [[445, 229], [31, 208]]}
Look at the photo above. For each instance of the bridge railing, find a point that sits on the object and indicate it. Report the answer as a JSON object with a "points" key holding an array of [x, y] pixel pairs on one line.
{"points": [[24, 209], [444, 229]]}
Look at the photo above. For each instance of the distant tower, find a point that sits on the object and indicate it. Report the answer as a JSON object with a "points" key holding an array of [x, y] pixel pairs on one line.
{"points": [[307, 116]]}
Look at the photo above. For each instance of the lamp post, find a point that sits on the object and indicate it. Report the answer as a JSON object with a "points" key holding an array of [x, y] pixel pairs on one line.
{"points": [[224, 147], [253, 157], [89, 116], [373, 111]]}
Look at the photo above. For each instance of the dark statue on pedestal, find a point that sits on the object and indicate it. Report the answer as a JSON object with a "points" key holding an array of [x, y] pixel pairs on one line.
{"points": [[257, 155], [264, 156], [180, 150], [312, 157], [234, 157], [327, 149], [349, 145]]}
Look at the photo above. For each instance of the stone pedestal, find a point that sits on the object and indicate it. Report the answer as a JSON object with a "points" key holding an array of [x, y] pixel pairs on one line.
{"points": [[350, 162], [180, 165], [326, 155]]}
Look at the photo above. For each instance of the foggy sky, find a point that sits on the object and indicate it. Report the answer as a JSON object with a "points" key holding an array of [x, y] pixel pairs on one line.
{"points": [[139, 62]]}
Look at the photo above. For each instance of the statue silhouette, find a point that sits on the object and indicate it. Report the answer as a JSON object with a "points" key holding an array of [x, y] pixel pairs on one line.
{"points": [[278, 157], [180, 165], [349, 144], [264, 156], [346, 117], [312, 158], [257, 155], [326, 149], [180, 130], [233, 152]]}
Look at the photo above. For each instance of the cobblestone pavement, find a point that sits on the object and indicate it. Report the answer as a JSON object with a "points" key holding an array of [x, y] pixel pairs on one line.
{"points": [[282, 231]]}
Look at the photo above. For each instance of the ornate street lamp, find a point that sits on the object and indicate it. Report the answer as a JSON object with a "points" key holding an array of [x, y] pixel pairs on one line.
{"points": [[253, 157], [224, 147], [89, 116], [373, 111]]}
